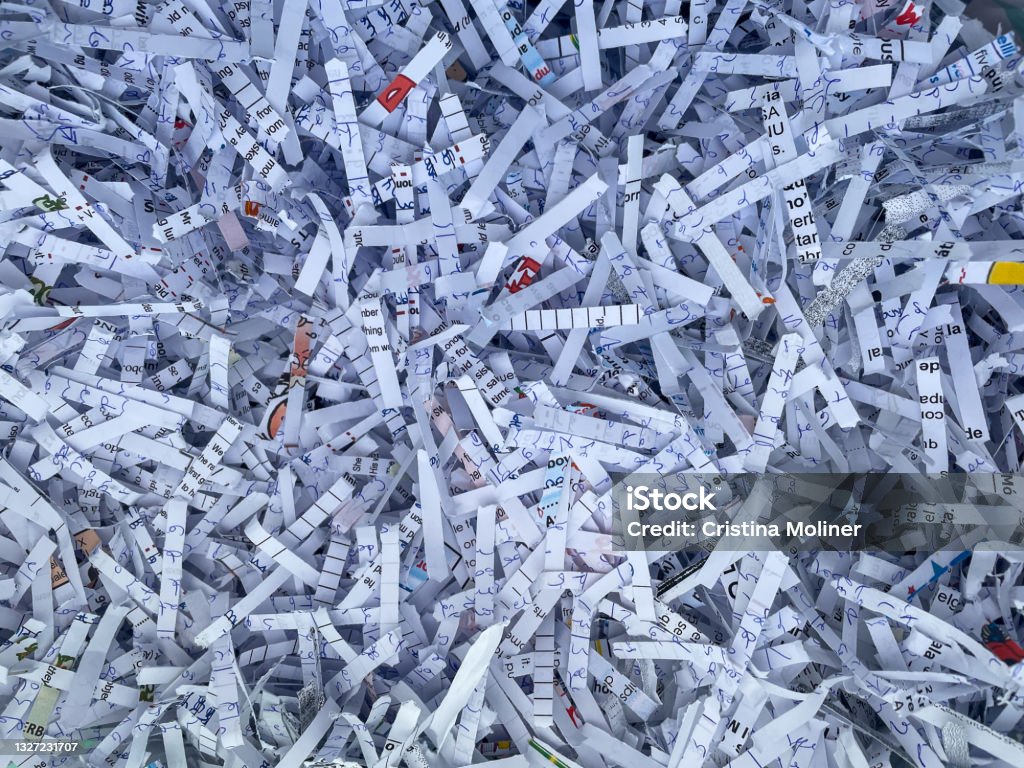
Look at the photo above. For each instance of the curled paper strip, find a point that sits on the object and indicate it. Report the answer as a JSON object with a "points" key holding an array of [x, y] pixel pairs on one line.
{"points": [[336, 336]]}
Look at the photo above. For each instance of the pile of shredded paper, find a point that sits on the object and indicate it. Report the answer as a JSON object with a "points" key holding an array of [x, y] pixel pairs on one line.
{"points": [[329, 325]]}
